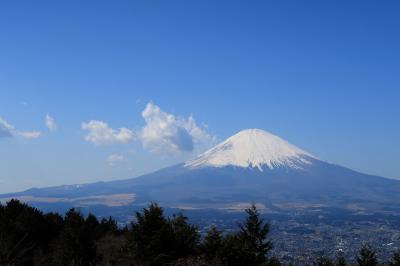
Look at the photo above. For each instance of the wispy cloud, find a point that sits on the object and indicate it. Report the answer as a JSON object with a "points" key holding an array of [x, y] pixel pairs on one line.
{"points": [[29, 134], [115, 158], [99, 133], [5, 129], [50, 123], [8, 131], [165, 132]]}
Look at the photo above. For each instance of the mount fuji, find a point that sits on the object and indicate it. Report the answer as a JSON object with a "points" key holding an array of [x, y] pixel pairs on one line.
{"points": [[251, 166], [252, 148]]}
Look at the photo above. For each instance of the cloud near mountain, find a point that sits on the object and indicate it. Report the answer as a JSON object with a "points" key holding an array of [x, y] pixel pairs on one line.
{"points": [[162, 133], [166, 132]]}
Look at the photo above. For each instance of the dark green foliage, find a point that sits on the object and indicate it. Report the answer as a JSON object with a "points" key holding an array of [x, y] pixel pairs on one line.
{"points": [[252, 237], [212, 246], [157, 240], [367, 257], [396, 259], [23, 233], [76, 244], [113, 249], [233, 252], [249, 246], [151, 235], [186, 238], [29, 237]]}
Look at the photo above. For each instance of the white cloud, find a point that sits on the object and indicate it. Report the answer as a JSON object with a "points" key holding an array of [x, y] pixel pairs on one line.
{"points": [[50, 123], [166, 132], [100, 133], [114, 158], [29, 134], [7, 130]]}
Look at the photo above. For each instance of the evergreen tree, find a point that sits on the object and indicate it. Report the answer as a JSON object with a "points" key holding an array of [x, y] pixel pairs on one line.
{"points": [[29, 237], [212, 245], [107, 226], [151, 236], [75, 245], [367, 257], [253, 236], [23, 233], [89, 236], [250, 245], [112, 249], [234, 252], [185, 236], [157, 240]]}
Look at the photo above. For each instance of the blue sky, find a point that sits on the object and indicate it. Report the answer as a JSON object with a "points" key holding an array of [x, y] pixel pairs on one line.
{"points": [[323, 75]]}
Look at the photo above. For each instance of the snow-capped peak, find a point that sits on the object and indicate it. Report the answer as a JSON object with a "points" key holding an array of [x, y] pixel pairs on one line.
{"points": [[252, 148]]}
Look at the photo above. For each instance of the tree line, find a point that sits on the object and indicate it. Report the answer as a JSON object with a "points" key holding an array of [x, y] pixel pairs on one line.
{"points": [[31, 237]]}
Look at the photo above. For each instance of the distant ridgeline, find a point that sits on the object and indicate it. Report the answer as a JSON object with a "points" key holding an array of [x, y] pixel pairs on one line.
{"points": [[30, 237], [251, 166]]}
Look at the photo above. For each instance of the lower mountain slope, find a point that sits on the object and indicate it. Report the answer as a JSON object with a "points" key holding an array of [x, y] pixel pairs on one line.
{"points": [[251, 166]]}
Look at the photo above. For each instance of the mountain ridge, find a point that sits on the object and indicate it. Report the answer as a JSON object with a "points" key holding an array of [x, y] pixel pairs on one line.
{"points": [[218, 179]]}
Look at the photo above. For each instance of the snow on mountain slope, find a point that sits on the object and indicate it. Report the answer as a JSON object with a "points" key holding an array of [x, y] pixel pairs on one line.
{"points": [[252, 148]]}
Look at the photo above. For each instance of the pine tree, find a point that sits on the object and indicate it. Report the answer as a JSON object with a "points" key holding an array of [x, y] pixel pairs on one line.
{"points": [[253, 234], [212, 245], [151, 235], [158, 240], [250, 245], [67, 248], [23, 233], [113, 249], [367, 257], [185, 236]]}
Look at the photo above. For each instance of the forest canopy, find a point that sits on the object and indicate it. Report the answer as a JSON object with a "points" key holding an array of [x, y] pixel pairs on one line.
{"points": [[31, 237]]}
